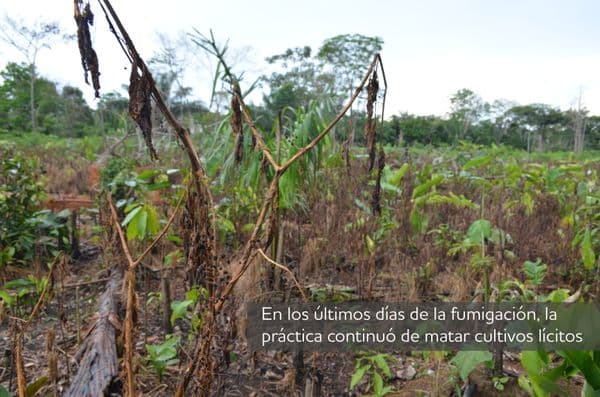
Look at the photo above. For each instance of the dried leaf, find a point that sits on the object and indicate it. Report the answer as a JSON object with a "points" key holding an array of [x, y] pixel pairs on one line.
{"points": [[370, 133], [140, 108], [237, 127], [376, 199], [84, 18]]}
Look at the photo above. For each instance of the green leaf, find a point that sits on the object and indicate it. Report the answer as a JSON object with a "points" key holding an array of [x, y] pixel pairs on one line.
{"points": [[424, 188], [179, 309], [583, 362], [6, 297], [4, 392], [479, 231], [532, 362], [477, 162], [588, 391], [131, 214], [358, 375], [467, 361], [525, 384], [542, 384], [397, 176], [141, 224], [227, 225], [148, 174], [382, 364], [153, 223], [18, 283], [35, 386], [377, 383], [587, 251]]}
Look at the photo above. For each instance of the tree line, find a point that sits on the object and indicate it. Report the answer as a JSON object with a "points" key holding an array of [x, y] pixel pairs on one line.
{"points": [[300, 77]]}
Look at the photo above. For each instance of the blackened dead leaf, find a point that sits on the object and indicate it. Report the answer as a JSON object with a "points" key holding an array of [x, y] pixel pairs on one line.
{"points": [[370, 133], [84, 18], [376, 199], [140, 107], [236, 125]]}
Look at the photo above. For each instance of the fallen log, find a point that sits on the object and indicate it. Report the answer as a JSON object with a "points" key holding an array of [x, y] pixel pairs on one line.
{"points": [[98, 363]]}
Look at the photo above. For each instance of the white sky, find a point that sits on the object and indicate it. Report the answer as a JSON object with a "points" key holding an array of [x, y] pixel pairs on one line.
{"points": [[528, 51]]}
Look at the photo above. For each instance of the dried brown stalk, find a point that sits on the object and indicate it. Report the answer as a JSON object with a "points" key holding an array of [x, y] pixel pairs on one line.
{"points": [[236, 125], [370, 132], [89, 60], [376, 199], [21, 380], [140, 107], [130, 314]]}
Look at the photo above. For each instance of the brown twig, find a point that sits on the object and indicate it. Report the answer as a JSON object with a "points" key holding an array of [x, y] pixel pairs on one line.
{"points": [[286, 269], [122, 239], [21, 380], [130, 280], [128, 345], [84, 283]]}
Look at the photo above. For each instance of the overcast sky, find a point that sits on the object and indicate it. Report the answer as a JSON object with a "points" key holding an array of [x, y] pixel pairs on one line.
{"points": [[526, 51]]}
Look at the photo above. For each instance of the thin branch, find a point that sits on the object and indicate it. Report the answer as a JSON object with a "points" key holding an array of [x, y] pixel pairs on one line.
{"points": [[117, 224], [333, 122], [286, 269]]}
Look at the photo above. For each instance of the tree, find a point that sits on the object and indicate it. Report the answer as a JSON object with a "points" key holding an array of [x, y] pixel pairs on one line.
{"points": [[65, 114], [347, 56], [536, 123], [75, 115], [579, 116], [329, 75], [299, 80], [29, 41], [466, 110]]}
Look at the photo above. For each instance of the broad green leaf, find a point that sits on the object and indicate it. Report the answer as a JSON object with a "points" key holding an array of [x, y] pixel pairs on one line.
{"points": [[141, 224], [587, 251], [397, 177], [467, 361], [588, 391], [130, 215], [179, 309], [583, 362], [532, 362], [18, 283], [358, 374], [227, 225], [477, 162], [424, 188], [382, 364], [479, 230], [5, 296], [148, 174], [377, 383], [153, 223], [544, 386]]}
